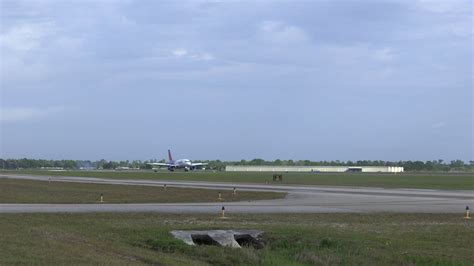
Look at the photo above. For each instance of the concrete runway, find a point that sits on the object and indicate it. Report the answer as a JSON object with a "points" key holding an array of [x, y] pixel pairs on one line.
{"points": [[300, 199]]}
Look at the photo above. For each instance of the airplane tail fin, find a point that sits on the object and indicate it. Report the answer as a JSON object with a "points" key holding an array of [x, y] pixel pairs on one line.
{"points": [[169, 156]]}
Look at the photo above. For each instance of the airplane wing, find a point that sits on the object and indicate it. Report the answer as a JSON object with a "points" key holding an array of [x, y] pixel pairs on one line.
{"points": [[199, 164], [159, 164]]}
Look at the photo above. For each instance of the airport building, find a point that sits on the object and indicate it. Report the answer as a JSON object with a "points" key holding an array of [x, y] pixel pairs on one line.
{"points": [[316, 169]]}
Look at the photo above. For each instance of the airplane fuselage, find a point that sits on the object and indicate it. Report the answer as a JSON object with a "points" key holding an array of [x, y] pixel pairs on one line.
{"points": [[185, 164]]}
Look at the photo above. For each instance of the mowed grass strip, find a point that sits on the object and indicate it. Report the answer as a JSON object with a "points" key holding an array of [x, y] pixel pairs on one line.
{"points": [[29, 191], [299, 239], [458, 181]]}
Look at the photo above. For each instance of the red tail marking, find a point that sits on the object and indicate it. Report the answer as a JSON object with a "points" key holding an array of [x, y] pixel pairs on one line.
{"points": [[169, 156]]}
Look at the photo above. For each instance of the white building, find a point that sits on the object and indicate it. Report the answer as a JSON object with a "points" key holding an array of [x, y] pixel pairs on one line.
{"points": [[326, 169]]}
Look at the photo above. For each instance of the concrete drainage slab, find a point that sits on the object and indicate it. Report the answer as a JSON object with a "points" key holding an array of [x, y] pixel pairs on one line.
{"points": [[225, 238]]}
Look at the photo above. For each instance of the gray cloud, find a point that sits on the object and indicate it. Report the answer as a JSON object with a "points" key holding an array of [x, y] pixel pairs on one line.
{"points": [[313, 70]]}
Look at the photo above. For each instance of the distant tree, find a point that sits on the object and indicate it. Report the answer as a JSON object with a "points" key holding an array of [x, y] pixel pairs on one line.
{"points": [[429, 166], [110, 165], [101, 163], [257, 162], [69, 164], [457, 165], [434, 165]]}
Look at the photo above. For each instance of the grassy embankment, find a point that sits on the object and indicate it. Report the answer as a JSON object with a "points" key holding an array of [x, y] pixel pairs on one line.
{"points": [[463, 181], [28, 191], [301, 239]]}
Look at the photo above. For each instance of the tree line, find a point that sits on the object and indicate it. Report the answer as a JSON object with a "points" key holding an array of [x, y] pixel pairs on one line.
{"points": [[434, 165]]}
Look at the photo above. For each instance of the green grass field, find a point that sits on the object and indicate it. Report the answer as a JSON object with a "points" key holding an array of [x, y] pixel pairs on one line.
{"points": [[463, 181], [300, 239], [28, 191]]}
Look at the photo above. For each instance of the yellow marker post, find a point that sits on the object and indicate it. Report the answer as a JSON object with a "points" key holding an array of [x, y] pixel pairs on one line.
{"points": [[164, 187], [101, 197], [223, 212], [235, 191], [219, 196], [467, 213]]}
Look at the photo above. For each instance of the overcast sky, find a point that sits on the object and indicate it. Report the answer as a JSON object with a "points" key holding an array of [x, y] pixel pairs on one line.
{"points": [[231, 80]]}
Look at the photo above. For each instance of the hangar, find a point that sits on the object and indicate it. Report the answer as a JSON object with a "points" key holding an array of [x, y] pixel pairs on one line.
{"points": [[326, 169]]}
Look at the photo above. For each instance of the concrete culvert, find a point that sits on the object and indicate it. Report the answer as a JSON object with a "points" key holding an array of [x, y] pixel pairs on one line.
{"points": [[204, 240], [225, 238], [247, 240]]}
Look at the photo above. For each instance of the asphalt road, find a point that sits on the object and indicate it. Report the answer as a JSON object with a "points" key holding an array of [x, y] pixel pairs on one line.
{"points": [[300, 199]]}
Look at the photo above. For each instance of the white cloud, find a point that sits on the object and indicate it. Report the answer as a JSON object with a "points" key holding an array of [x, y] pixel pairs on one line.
{"points": [[444, 6], [279, 32], [183, 53], [438, 125], [458, 29], [13, 114], [384, 54], [26, 37], [355, 54], [179, 52], [32, 53], [203, 56], [69, 43]]}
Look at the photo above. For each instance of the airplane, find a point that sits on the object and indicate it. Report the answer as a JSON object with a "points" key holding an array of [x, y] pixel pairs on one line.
{"points": [[186, 164]]}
